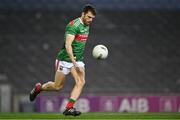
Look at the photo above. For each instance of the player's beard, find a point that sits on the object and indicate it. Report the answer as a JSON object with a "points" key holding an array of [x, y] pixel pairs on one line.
{"points": [[86, 22]]}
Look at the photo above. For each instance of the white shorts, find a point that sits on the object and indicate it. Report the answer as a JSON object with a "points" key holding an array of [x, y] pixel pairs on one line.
{"points": [[65, 67]]}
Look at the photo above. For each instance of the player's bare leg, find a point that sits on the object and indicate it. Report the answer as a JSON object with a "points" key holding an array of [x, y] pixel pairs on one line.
{"points": [[49, 86], [57, 84], [79, 76]]}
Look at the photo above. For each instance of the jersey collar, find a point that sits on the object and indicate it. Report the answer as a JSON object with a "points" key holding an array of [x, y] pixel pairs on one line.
{"points": [[81, 21]]}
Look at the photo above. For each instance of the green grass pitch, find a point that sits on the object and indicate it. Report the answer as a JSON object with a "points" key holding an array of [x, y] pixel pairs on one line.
{"points": [[89, 116]]}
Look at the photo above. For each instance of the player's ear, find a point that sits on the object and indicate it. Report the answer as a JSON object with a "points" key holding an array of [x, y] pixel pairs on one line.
{"points": [[82, 14]]}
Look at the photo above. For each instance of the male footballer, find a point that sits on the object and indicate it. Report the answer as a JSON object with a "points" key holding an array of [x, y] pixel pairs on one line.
{"points": [[70, 60]]}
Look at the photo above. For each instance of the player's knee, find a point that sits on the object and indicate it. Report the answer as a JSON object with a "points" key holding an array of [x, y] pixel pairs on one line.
{"points": [[81, 83]]}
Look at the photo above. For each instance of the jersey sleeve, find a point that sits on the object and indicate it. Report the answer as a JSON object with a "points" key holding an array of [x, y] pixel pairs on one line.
{"points": [[71, 29]]}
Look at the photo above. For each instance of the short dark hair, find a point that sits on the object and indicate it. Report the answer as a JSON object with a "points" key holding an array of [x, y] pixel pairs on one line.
{"points": [[90, 8]]}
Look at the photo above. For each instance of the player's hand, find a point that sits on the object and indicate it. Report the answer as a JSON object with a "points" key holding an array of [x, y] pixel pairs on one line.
{"points": [[74, 61], [75, 64]]}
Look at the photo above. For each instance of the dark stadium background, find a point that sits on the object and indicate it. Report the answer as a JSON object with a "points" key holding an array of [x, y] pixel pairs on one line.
{"points": [[143, 38]]}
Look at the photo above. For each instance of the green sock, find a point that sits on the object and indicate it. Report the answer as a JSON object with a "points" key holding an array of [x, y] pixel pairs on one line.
{"points": [[72, 100], [70, 104]]}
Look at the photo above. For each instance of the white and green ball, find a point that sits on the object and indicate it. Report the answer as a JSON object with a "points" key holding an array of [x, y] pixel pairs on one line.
{"points": [[100, 52]]}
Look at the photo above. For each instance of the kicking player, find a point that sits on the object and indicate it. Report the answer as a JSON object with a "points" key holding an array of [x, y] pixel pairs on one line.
{"points": [[70, 60]]}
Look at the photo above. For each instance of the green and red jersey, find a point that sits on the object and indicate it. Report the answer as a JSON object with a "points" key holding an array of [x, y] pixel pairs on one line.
{"points": [[80, 31]]}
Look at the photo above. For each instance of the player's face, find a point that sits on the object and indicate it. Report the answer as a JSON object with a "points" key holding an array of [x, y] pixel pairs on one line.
{"points": [[87, 18]]}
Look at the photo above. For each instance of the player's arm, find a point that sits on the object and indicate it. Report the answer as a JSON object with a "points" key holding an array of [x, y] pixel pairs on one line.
{"points": [[68, 45], [71, 31]]}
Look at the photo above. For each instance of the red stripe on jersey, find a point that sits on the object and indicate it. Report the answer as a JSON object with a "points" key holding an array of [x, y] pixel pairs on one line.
{"points": [[72, 22], [80, 37]]}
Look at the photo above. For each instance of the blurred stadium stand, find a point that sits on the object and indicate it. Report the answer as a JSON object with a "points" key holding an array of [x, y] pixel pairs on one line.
{"points": [[142, 37], [100, 4]]}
